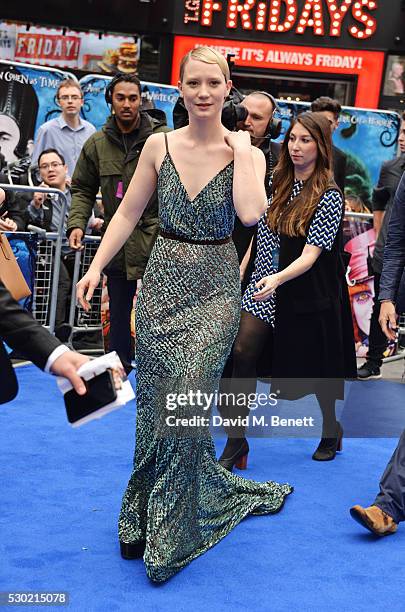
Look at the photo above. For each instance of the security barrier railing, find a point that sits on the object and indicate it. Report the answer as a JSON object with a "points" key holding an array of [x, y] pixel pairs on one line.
{"points": [[78, 319], [47, 269], [58, 241]]}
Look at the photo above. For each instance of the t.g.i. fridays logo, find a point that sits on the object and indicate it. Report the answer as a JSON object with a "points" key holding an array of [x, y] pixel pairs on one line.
{"points": [[323, 17]]}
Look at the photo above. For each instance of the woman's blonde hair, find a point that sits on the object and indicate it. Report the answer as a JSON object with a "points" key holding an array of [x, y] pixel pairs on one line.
{"points": [[207, 55]]}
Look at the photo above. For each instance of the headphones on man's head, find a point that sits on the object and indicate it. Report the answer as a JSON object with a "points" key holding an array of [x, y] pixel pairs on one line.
{"points": [[273, 129], [120, 77], [109, 89]]}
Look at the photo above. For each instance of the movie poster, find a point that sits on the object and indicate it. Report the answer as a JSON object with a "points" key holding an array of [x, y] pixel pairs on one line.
{"points": [[27, 100], [368, 138]]}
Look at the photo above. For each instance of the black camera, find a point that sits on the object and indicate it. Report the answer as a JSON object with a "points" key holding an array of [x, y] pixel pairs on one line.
{"points": [[20, 172], [232, 111]]}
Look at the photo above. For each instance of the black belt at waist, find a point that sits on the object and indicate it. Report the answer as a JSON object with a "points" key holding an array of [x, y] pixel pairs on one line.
{"points": [[191, 241]]}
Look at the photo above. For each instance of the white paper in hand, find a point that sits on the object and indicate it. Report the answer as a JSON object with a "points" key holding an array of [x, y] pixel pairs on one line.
{"points": [[92, 368]]}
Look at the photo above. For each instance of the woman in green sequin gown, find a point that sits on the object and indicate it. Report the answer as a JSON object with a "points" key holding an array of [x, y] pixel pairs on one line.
{"points": [[179, 501]]}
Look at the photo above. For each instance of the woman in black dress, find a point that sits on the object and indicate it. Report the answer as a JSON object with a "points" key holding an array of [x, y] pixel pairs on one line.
{"points": [[296, 322]]}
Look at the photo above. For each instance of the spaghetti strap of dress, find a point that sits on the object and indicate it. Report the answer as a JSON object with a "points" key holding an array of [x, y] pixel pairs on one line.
{"points": [[166, 142]]}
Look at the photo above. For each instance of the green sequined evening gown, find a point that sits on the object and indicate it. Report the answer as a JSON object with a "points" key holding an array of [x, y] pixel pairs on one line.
{"points": [[179, 499]]}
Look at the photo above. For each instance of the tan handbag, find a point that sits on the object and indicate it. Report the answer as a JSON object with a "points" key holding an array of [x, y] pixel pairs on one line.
{"points": [[10, 273]]}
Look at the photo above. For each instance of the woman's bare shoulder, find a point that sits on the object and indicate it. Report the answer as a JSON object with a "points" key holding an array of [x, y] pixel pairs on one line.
{"points": [[258, 154], [155, 141], [155, 148]]}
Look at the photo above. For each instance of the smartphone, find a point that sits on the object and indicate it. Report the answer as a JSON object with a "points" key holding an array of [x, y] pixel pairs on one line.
{"points": [[100, 391]]}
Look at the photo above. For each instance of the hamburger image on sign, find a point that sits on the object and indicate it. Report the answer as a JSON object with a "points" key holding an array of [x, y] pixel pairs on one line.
{"points": [[128, 57]]}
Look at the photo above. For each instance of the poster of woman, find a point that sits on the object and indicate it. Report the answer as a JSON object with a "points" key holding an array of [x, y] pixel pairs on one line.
{"points": [[394, 83]]}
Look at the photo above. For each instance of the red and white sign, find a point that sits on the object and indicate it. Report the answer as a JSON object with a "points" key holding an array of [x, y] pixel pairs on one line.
{"points": [[278, 16], [52, 49], [62, 48], [366, 65]]}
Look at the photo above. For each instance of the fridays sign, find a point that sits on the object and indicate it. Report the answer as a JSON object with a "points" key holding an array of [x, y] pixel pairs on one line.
{"points": [[62, 49]]}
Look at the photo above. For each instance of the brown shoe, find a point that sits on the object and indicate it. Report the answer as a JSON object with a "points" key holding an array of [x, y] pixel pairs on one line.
{"points": [[374, 519]]}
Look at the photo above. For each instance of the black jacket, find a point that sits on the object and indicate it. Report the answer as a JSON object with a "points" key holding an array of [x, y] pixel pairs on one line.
{"points": [[383, 200], [16, 203], [243, 235], [392, 285], [23, 333]]}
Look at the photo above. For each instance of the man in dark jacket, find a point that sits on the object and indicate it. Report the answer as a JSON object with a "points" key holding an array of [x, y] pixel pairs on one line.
{"points": [[388, 509], [383, 200], [260, 108], [332, 109], [108, 161], [392, 286], [24, 334]]}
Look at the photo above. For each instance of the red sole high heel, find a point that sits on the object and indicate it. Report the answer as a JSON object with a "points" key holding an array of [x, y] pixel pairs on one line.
{"points": [[241, 463], [234, 457]]}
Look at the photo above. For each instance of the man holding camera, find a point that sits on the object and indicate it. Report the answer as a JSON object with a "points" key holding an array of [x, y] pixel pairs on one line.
{"points": [[108, 161], [259, 107], [259, 122]]}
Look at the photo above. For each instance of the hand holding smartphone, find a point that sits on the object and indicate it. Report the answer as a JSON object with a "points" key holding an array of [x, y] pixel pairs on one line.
{"points": [[100, 391], [107, 389]]}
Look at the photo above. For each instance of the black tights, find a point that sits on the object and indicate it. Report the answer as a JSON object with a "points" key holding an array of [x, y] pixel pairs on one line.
{"points": [[240, 376], [253, 336]]}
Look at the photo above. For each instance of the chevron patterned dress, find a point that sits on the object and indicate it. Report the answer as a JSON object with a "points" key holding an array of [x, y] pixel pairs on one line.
{"points": [[321, 233], [180, 501]]}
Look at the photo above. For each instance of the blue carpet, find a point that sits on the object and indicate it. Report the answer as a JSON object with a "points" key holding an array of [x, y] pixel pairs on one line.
{"points": [[61, 492]]}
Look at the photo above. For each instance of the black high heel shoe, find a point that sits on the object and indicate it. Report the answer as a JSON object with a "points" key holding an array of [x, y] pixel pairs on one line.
{"points": [[132, 551], [328, 447], [235, 454]]}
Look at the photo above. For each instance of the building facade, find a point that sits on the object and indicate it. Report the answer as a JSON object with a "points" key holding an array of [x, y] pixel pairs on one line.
{"points": [[352, 50]]}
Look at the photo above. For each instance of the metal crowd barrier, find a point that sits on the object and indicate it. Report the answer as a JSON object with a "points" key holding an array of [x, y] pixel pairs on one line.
{"points": [[78, 319], [363, 216], [47, 270], [58, 242], [85, 321]]}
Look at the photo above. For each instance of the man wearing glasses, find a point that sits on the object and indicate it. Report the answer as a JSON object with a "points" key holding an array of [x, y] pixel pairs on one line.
{"points": [[68, 132], [45, 211]]}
